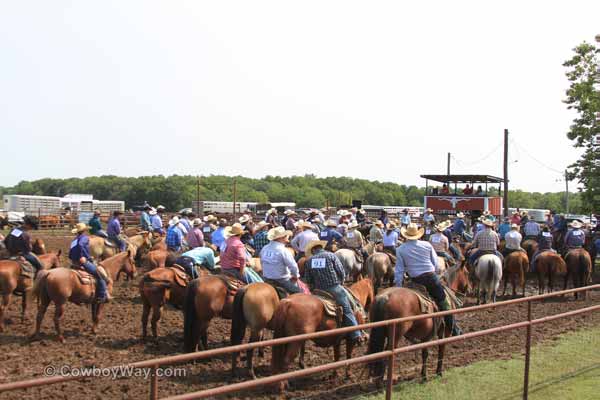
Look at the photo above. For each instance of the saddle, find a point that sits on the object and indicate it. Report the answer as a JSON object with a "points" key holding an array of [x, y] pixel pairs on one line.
{"points": [[281, 292], [332, 308], [358, 255], [27, 270], [109, 243], [181, 277], [428, 305], [232, 283], [85, 278]]}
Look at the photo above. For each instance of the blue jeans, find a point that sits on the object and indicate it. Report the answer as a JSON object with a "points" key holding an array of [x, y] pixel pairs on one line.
{"points": [[120, 242], [188, 264], [100, 283], [455, 252], [33, 260], [287, 285], [342, 299], [475, 255]]}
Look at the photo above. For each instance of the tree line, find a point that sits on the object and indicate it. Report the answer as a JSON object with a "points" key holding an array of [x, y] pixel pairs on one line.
{"points": [[176, 191]]}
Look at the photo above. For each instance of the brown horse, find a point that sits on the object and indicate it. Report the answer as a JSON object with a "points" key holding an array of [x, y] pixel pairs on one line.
{"points": [[530, 246], [303, 313], [551, 264], [38, 247], [516, 264], [158, 287], [579, 266], [457, 279], [399, 303], [155, 259], [135, 244], [60, 285], [253, 305], [206, 297]]}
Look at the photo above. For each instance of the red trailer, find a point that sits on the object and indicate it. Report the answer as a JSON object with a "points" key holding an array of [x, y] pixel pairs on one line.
{"points": [[450, 198]]}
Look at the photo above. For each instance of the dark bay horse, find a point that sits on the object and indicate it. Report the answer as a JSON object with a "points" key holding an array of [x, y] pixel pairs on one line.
{"points": [[530, 246], [549, 264], [253, 306], [60, 285], [303, 313], [579, 267], [516, 264]]}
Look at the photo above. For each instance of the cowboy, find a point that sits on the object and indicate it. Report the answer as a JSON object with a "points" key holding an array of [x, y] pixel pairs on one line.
{"points": [[550, 219], [174, 237], [301, 239], [208, 227], [156, 221], [376, 232], [485, 241], [113, 230], [312, 215], [195, 237], [247, 226], [487, 214], [330, 234], [233, 258], [352, 215], [459, 226], [342, 229], [544, 241], [271, 217], [418, 258], [344, 217], [217, 238], [278, 265], [290, 222], [324, 271], [512, 240], [96, 226], [405, 218], [185, 221], [478, 226], [260, 238], [202, 256], [516, 218], [428, 217], [575, 237], [18, 242], [79, 254], [355, 241], [145, 223], [384, 217], [504, 228], [524, 218], [390, 239], [531, 229], [361, 216], [440, 243]]}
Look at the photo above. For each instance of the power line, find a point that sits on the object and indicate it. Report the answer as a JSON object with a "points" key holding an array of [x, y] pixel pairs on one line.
{"points": [[524, 149], [485, 157]]}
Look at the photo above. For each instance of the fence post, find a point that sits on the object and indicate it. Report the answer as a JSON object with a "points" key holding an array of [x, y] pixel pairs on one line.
{"points": [[390, 374], [154, 383], [527, 354]]}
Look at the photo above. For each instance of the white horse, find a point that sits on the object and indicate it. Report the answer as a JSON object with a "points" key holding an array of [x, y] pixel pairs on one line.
{"points": [[488, 270], [348, 259]]}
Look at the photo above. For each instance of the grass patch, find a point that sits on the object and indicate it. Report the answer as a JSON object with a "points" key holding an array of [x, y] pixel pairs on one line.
{"points": [[567, 368]]}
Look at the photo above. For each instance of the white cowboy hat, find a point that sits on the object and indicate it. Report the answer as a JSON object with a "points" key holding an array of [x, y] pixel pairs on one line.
{"points": [[353, 225], [312, 244], [152, 211], [289, 212], [277, 233], [460, 215], [487, 222], [174, 221], [442, 226], [80, 227], [486, 212], [343, 213], [305, 225], [273, 210], [261, 225], [390, 226], [576, 224], [331, 223], [234, 230], [196, 222], [243, 219], [514, 226], [412, 231]]}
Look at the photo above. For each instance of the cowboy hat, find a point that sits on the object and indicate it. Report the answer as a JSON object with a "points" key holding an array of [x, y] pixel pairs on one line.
{"points": [[261, 225], [160, 208], [514, 226], [379, 223], [576, 224], [331, 223], [174, 221], [515, 213], [272, 210], [487, 222], [429, 210], [412, 231], [243, 219], [390, 226], [152, 211], [196, 222], [234, 230], [442, 226], [486, 212], [460, 215], [277, 233], [80, 227], [305, 225], [209, 218], [312, 244], [316, 221], [289, 212], [353, 225], [524, 213]]}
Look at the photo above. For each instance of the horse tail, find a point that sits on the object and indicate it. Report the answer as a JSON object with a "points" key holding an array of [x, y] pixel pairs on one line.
{"points": [[378, 335], [584, 268], [278, 326], [238, 319], [524, 267], [189, 316]]}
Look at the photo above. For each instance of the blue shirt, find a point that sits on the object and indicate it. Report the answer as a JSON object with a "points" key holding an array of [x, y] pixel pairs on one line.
{"points": [[156, 221], [324, 270], [330, 234], [174, 238], [145, 221], [597, 245], [186, 224], [405, 219], [80, 247], [503, 229], [416, 257], [459, 226], [218, 237], [575, 238], [114, 227], [390, 238], [202, 256], [260, 241]]}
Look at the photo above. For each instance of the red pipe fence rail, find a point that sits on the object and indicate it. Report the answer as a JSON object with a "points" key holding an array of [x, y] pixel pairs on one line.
{"points": [[155, 364]]}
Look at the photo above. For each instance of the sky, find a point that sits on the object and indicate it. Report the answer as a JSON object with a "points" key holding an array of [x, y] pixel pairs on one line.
{"points": [[379, 90]]}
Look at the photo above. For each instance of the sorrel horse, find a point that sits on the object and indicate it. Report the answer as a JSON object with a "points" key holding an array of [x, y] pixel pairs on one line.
{"points": [[60, 285], [457, 279], [303, 313], [579, 266], [550, 264], [135, 244], [11, 281], [205, 298], [253, 306], [38, 247], [158, 287], [516, 264], [530, 246], [399, 303]]}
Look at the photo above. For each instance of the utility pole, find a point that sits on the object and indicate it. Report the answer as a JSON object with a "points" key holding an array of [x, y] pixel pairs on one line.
{"points": [[198, 195], [234, 200], [505, 198], [566, 192], [448, 169]]}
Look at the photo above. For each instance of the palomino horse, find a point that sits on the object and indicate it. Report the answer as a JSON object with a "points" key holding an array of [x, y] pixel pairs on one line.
{"points": [[516, 264], [253, 305], [380, 268], [303, 313], [551, 264], [11, 281], [60, 285], [488, 270], [158, 287], [579, 266], [399, 302], [100, 251]]}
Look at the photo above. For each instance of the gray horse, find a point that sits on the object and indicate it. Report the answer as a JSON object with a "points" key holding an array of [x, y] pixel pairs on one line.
{"points": [[488, 270], [379, 268], [352, 267]]}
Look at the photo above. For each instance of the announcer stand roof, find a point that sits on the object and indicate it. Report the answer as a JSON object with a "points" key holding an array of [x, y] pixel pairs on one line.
{"points": [[450, 201]]}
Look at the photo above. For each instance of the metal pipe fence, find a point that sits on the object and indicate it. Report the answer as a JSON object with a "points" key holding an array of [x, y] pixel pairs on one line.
{"points": [[155, 364]]}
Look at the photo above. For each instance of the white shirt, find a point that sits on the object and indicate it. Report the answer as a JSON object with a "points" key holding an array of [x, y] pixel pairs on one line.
{"points": [[390, 238], [513, 239], [301, 240], [277, 262]]}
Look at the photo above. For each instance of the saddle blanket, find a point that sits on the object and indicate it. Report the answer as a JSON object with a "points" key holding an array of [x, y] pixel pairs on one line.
{"points": [[27, 270]]}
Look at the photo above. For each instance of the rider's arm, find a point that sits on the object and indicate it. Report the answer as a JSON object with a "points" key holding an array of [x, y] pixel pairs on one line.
{"points": [[433, 258], [289, 262], [84, 247]]}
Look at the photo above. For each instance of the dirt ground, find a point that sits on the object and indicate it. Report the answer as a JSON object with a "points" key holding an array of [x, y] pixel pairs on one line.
{"points": [[118, 342]]}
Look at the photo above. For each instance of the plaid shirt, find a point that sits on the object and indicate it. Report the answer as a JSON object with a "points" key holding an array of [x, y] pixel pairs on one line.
{"points": [[324, 270], [260, 241], [486, 239], [174, 238]]}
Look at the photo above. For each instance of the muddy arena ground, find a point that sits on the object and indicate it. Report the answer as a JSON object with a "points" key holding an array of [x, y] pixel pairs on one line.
{"points": [[118, 342]]}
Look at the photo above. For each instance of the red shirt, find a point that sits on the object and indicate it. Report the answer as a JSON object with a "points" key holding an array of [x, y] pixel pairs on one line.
{"points": [[234, 256]]}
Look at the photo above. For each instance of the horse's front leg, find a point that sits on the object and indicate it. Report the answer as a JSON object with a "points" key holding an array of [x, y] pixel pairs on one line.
{"points": [[349, 348], [3, 306], [336, 357], [424, 356], [440, 363]]}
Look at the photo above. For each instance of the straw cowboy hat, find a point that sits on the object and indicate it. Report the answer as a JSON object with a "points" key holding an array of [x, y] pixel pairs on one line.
{"points": [[273, 211], [311, 245], [174, 221], [514, 226], [353, 225], [261, 225], [243, 219], [487, 222], [80, 227], [379, 223], [331, 223], [289, 212], [576, 224], [460, 215], [209, 218], [343, 213], [234, 230], [390, 226], [412, 231], [305, 225], [196, 222], [524, 213], [278, 233], [442, 226], [316, 221]]}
